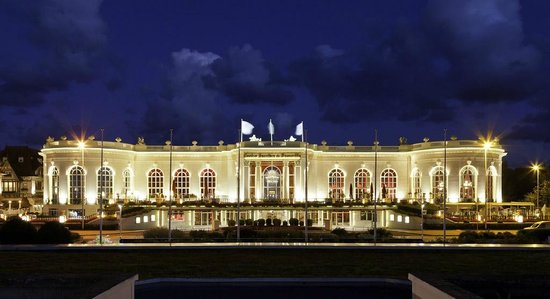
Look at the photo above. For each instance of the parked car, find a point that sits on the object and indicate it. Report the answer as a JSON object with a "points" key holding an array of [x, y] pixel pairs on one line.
{"points": [[540, 225]]}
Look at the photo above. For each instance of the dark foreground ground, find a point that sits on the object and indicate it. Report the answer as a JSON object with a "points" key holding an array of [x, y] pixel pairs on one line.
{"points": [[278, 262], [275, 290]]}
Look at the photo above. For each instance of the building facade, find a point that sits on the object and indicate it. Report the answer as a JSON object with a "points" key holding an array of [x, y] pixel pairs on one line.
{"points": [[271, 174], [21, 179]]}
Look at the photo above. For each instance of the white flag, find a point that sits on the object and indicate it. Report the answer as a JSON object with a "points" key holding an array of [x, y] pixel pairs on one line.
{"points": [[246, 127], [271, 128], [300, 129]]}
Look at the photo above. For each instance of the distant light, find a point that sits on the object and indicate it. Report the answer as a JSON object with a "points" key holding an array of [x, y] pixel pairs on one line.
{"points": [[81, 144], [536, 167], [62, 219], [487, 144]]}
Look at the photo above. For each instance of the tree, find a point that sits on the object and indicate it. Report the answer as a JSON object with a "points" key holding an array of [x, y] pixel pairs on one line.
{"points": [[544, 195], [53, 233], [17, 231]]}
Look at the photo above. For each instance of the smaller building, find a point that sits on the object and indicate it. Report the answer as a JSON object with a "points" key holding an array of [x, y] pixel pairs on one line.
{"points": [[21, 178]]}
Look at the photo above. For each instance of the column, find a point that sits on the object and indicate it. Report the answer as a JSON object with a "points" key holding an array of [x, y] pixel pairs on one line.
{"points": [[245, 175], [285, 180], [259, 185]]}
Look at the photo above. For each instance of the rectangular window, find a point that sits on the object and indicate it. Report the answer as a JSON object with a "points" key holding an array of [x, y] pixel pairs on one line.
{"points": [[340, 218], [53, 212], [202, 217], [10, 186]]}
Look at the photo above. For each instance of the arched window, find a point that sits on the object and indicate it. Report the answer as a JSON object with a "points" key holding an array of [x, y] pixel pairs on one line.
{"points": [[126, 182], [468, 183], [490, 184], [105, 183], [208, 183], [362, 182], [77, 185], [155, 183], [388, 183], [416, 184], [336, 184], [180, 184], [438, 182], [54, 186], [272, 183]]}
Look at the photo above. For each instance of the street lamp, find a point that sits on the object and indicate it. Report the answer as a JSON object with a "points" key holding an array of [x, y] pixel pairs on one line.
{"points": [[120, 223], [81, 146], [486, 145], [536, 168]]}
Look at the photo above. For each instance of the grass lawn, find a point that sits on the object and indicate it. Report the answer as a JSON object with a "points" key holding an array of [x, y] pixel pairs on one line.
{"points": [[291, 262]]}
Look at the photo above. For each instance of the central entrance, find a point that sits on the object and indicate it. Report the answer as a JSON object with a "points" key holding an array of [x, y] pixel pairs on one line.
{"points": [[272, 183]]}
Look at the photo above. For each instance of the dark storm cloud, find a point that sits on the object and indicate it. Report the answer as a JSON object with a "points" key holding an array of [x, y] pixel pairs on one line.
{"points": [[184, 103], [244, 77], [198, 88], [460, 53], [68, 39]]}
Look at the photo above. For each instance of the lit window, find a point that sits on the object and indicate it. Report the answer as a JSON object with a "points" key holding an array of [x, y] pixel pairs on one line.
{"points": [[138, 220], [105, 180], [145, 219], [438, 182], [468, 182], [399, 218], [336, 184], [416, 184], [208, 183], [126, 182], [54, 181], [180, 184], [153, 218], [155, 183], [77, 185], [407, 219], [388, 183], [362, 184], [392, 217]]}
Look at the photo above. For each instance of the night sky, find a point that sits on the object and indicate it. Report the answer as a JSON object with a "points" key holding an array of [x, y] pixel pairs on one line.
{"points": [[407, 68]]}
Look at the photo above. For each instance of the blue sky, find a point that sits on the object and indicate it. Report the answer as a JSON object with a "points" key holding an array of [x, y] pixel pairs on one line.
{"points": [[407, 68]]}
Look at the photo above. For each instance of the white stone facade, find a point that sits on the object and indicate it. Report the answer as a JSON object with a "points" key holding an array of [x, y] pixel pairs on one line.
{"points": [[285, 159]]}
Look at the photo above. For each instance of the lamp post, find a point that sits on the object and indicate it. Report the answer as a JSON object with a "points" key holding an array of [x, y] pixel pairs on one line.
{"points": [[119, 222], [81, 145], [486, 146], [536, 168], [422, 220]]}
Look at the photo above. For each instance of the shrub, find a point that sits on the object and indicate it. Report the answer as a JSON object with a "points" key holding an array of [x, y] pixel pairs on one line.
{"points": [[53, 233], [248, 222], [161, 233], [231, 222], [381, 233], [261, 222], [268, 222], [241, 222], [285, 223], [293, 221], [339, 232], [17, 231], [309, 222], [276, 222], [301, 223]]}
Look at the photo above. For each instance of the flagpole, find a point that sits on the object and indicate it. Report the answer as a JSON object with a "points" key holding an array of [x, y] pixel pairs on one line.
{"points": [[305, 203], [271, 130], [239, 189], [170, 191], [445, 187], [375, 181], [101, 182], [240, 131]]}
